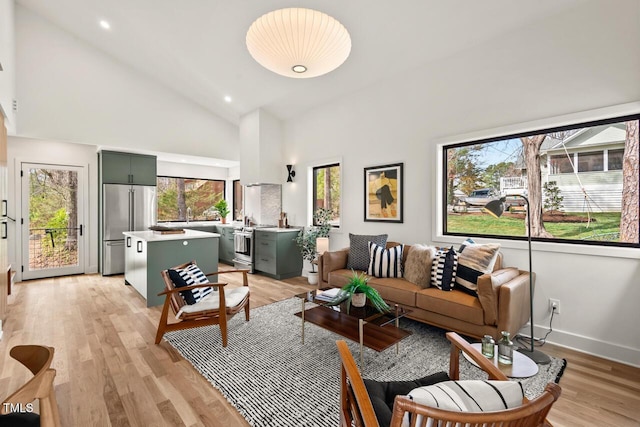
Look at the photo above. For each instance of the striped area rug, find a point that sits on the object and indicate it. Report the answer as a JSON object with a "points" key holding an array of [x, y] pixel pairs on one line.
{"points": [[274, 380]]}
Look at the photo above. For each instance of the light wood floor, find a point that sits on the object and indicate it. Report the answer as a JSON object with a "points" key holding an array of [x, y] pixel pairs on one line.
{"points": [[111, 374]]}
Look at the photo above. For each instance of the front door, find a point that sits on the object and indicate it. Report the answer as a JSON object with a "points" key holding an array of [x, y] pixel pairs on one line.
{"points": [[52, 230]]}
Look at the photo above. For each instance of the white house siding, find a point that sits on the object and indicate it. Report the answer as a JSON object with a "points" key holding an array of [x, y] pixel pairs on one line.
{"points": [[602, 191]]}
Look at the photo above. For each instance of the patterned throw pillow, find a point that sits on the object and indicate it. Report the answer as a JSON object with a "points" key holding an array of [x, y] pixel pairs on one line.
{"points": [[385, 262], [475, 260], [190, 275], [468, 396], [443, 270], [359, 250]]}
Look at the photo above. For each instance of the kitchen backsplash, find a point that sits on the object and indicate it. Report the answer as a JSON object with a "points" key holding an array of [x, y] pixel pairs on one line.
{"points": [[263, 203]]}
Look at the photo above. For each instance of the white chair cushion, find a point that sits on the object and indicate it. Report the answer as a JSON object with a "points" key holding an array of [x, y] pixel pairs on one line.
{"points": [[468, 396], [232, 296]]}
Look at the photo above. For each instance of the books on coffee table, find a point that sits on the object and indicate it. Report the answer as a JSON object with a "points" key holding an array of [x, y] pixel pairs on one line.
{"points": [[328, 294]]}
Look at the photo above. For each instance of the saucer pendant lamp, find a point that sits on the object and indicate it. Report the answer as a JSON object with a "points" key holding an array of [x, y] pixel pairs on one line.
{"points": [[298, 42]]}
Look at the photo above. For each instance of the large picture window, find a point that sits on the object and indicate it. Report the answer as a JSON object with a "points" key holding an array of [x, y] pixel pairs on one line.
{"points": [[581, 182], [178, 197], [326, 190]]}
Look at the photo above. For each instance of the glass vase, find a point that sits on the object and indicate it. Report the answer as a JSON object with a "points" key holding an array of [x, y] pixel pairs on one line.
{"points": [[488, 347], [505, 349]]}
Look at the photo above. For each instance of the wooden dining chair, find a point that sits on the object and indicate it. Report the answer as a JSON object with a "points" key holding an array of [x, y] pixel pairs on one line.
{"points": [[357, 409], [207, 310], [16, 408]]}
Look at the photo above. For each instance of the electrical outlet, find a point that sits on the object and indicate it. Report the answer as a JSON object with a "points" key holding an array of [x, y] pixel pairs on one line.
{"points": [[554, 303]]}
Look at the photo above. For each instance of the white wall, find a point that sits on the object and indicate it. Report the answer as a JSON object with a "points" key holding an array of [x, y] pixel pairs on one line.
{"points": [[584, 59], [91, 98], [31, 150]]}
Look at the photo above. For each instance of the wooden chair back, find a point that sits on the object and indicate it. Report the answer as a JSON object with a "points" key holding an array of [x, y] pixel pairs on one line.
{"points": [[38, 360], [219, 316], [356, 408]]}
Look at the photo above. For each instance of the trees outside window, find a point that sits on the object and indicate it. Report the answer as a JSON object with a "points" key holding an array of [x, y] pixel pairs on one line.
{"points": [[176, 195], [326, 191], [589, 173]]}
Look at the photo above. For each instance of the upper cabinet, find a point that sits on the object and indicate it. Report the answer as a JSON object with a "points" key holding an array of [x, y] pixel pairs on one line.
{"points": [[7, 63], [128, 168]]}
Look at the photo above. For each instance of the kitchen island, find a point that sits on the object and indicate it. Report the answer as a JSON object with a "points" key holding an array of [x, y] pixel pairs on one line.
{"points": [[147, 253]]}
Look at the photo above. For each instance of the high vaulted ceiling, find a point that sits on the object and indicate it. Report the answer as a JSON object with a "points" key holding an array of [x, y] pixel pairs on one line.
{"points": [[197, 48]]}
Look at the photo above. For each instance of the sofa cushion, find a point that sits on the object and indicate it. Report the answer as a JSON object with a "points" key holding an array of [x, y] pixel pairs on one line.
{"points": [[385, 262], [333, 261], [443, 269], [417, 267], [475, 260], [456, 304], [359, 249], [399, 291], [489, 290]]}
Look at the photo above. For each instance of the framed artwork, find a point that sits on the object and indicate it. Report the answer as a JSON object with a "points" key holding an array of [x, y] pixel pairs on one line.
{"points": [[383, 197]]}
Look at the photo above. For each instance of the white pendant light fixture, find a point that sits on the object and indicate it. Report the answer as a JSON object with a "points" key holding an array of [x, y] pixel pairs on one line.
{"points": [[298, 43]]}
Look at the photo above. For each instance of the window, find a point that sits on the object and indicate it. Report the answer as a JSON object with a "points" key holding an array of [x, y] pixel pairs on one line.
{"points": [[177, 196], [614, 159], [238, 201], [591, 162], [326, 190], [577, 207]]}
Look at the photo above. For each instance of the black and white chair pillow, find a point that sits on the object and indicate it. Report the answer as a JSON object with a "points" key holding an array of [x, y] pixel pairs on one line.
{"points": [[385, 262], [190, 275]]}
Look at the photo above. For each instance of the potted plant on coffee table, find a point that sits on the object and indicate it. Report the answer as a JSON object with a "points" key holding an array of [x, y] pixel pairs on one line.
{"points": [[357, 291]]}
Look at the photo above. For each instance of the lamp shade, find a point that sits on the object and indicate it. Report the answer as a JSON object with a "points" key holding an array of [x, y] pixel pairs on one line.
{"points": [[298, 42], [495, 207], [322, 245]]}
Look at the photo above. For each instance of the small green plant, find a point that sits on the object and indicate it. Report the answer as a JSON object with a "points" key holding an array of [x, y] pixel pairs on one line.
{"points": [[358, 284], [552, 197], [222, 208]]}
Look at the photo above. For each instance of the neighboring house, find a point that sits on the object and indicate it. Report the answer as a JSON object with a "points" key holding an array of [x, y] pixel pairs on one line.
{"points": [[586, 166]]}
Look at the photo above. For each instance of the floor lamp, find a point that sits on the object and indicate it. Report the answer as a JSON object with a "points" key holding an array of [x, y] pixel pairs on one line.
{"points": [[496, 208]]}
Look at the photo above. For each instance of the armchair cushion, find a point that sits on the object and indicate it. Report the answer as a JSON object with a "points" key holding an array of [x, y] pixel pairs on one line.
{"points": [[382, 394], [470, 395], [233, 297], [190, 275]]}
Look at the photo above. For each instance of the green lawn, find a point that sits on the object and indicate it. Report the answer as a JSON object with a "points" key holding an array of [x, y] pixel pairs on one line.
{"points": [[604, 223]]}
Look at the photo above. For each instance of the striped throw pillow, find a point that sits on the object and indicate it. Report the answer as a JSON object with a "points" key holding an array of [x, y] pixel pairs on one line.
{"points": [[468, 396], [190, 275], [443, 269], [474, 260], [385, 262]]}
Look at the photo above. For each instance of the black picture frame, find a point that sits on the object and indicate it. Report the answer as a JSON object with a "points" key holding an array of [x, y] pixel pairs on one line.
{"points": [[383, 193]]}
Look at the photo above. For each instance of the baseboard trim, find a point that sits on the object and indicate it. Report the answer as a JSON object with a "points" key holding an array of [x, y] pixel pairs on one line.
{"points": [[606, 350]]}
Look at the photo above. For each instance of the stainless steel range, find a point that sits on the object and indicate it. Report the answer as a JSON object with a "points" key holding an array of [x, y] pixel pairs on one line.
{"points": [[244, 245]]}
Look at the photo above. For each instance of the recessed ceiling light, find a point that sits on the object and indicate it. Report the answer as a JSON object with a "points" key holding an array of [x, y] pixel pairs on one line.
{"points": [[105, 24], [227, 98]]}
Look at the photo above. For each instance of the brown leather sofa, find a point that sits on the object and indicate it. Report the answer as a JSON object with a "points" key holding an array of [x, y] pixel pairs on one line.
{"points": [[502, 303]]}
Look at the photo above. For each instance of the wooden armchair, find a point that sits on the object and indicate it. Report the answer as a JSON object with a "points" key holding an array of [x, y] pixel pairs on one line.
{"points": [[17, 407], [204, 312], [356, 407]]}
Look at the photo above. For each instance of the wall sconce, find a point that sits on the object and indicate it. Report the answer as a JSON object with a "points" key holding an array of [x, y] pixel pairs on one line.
{"points": [[291, 173]]}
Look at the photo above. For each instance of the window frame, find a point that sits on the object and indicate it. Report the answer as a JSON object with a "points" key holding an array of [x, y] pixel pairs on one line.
{"points": [[313, 189], [441, 214], [224, 195]]}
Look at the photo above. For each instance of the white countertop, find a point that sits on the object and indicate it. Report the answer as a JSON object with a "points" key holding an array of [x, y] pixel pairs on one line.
{"points": [[200, 224], [279, 230], [151, 236]]}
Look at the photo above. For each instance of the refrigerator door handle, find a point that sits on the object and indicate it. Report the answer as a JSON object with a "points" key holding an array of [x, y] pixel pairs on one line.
{"points": [[131, 201]]}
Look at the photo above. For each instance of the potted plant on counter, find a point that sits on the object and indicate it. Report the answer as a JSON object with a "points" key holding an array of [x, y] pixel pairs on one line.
{"points": [[223, 209], [357, 291], [307, 240]]}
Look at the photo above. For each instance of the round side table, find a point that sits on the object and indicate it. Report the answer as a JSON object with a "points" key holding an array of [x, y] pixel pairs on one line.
{"points": [[522, 366]]}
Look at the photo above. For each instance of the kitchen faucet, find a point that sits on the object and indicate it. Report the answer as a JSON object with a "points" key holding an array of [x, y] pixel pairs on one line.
{"points": [[188, 214]]}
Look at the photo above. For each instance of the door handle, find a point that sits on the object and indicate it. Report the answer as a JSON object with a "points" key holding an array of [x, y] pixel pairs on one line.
{"points": [[139, 243], [80, 229], [128, 241], [4, 230]]}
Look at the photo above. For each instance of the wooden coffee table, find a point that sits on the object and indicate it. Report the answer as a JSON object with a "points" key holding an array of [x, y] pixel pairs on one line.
{"points": [[365, 325]]}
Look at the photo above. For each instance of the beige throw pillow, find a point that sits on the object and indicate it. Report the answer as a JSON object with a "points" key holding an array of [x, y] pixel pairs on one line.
{"points": [[417, 267]]}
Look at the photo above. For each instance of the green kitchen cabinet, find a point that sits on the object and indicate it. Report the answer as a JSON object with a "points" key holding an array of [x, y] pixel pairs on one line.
{"points": [[227, 248], [128, 168], [277, 254]]}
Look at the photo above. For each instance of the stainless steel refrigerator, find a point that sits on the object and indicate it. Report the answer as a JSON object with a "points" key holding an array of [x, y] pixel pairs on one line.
{"points": [[124, 208]]}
